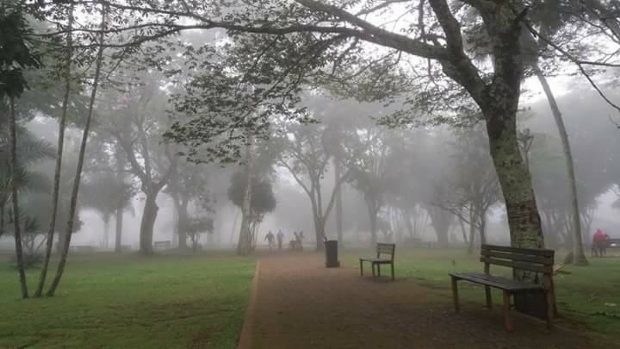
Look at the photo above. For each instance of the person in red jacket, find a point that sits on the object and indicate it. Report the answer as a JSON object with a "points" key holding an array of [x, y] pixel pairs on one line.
{"points": [[599, 242]]}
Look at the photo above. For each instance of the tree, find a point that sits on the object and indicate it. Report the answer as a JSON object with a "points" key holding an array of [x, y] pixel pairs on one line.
{"points": [[495, 92], [135, 121], [15, 55], [578, 256], [303, 152], [30, 151], [78, 174], [59, 152], [196, 226], [323, 42], [105, 193], [371, 173], [188, 184], [471, 188], [262, 199]]}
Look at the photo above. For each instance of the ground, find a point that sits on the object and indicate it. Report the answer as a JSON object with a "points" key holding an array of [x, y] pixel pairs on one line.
{"points": [[301, 304], [130, 301], [167, 301]]}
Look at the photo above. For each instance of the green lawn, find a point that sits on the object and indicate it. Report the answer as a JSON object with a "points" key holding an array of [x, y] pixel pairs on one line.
{"points": [[131, 302], [590, 295]]}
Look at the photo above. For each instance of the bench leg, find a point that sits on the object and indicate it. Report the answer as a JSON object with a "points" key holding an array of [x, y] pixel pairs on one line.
{"points": [[487, 290], [550, 308], [553, 300], [392, 265], [379, 269], [507, 319], [361, 267], [455, 294]]}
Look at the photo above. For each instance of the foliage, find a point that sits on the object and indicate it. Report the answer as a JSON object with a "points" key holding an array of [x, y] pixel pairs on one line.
{"points": [[106, 192], [16, 53], [31, 260], [263, 198]]}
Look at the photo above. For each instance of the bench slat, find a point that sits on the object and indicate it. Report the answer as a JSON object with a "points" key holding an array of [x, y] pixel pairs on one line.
{"points": [[530, 251], [496, 281], [377, 260], [547, 269], [518, 257]]}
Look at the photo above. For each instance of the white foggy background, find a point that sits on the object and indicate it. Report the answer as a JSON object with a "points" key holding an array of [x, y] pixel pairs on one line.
{"points": [[293, 210]]}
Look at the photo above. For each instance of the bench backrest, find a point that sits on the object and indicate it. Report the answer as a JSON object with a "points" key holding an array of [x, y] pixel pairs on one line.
{"points": [[164, 244], [387, 249], [530, 259]]}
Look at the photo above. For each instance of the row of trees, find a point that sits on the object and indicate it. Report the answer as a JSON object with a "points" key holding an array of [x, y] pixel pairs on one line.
{"points": [[453, 62]]}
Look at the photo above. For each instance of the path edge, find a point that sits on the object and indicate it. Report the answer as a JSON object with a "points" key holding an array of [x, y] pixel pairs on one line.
{"points": [[245, 337]]}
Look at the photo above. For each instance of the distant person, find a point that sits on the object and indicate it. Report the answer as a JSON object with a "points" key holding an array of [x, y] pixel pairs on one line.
{"points": [[270, 239], [606, 244], [599, 242], [280, 238]]}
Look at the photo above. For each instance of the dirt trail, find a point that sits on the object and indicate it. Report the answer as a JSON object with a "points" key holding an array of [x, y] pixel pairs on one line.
{"points": [[301, 304]]}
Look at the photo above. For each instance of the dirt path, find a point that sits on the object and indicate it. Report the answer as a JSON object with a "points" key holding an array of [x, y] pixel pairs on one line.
{"points": [[301, 304]]}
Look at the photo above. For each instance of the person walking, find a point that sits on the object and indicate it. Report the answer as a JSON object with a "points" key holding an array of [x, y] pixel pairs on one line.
{"points": [[598, 243], [280, 238], [270, 239]]}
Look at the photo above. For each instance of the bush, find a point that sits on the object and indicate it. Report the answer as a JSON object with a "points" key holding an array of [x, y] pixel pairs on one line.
{"points": [[31, 260]]}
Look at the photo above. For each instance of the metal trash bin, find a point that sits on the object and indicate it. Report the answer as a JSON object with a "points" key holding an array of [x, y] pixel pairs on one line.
{"points": [[331, 254]]}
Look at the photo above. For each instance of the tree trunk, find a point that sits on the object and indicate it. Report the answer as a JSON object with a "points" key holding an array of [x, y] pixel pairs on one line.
{"points": [[319, 226], [472, 232], [372, 216], [106, 232], [516, 184], [339, 226], [59, 151], [182, 224], [579, 257], [118, 243], [465, 239], [78, 174], [149, 215], [120, 210], [441, 224], [244, 246], [410, 227], [2, 223], [483, 225], [15, 199]]}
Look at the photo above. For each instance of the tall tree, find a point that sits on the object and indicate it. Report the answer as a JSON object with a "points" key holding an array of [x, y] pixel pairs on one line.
{"points": [[323, 42], [304, 153], [370, 173], [59, 150], [15, 56], [105, 192], [187, 185], [472, 188], [437, 38], [135, 120], [78, 174]]}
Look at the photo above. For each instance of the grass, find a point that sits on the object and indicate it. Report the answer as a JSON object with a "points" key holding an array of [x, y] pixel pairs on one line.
{"points": [[131, 302], [590, 295], [199, 301]]}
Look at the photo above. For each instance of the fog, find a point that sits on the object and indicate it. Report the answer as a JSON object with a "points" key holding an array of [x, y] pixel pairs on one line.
{"points": [[413, 178]]}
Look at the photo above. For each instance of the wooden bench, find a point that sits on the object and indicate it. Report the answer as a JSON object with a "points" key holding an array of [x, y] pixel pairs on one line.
{"points": [[162, 245], [83, 248], [534, 260], [382, 249]]}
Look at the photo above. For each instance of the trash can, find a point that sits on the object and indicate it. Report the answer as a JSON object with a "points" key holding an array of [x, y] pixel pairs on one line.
{"points": [[331, 254]]}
